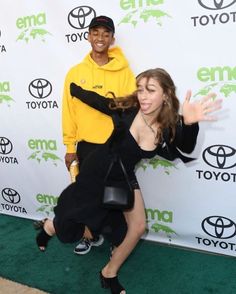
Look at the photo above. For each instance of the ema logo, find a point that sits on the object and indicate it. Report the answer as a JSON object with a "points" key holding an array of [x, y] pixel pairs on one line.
{"points": [[157, 162], [143, 11], [217, 16], [40, 89], [79, 18], [220, 157], [218, 227], [47, 202], [218, 79], [155, 219], [31, 28], [43, 151], [4, 93]]}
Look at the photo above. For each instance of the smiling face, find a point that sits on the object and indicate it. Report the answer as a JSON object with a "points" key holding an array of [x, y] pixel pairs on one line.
{"points": [[100, 39], [150, 96]]}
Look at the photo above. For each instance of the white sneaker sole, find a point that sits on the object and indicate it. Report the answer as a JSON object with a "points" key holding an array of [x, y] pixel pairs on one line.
{"points": [[99, 243], [92, 245]]}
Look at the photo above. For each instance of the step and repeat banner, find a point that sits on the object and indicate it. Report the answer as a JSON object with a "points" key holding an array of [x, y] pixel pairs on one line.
{"points": [[189, 205]]}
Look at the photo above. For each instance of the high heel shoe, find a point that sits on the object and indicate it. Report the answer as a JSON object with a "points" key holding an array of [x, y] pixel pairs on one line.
{"points": [[42, 238], [111, 283], [38, 224]]}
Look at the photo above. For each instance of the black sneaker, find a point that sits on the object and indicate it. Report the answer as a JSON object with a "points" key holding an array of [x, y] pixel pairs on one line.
{"points": [[85, 245]]}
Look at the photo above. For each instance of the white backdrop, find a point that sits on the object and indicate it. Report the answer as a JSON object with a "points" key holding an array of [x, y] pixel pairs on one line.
{"points": [[188, 205]]}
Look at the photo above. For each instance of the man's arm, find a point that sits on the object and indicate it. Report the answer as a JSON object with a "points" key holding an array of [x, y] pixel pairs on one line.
{"points": [[69, 126], [129, 82]]}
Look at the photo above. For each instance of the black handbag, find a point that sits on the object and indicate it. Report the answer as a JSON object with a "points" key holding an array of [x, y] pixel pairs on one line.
{"points": [[118, 195]]}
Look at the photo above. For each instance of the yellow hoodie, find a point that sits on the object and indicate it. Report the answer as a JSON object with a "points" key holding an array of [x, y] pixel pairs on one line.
{"points": [[81, 122]]}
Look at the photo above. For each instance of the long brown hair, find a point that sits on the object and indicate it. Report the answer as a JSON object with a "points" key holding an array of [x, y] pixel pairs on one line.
{"points": [[169, 113]]}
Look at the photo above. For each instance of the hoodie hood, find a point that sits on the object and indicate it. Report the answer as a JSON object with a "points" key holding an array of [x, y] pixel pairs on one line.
{"points": [[118, 60]]}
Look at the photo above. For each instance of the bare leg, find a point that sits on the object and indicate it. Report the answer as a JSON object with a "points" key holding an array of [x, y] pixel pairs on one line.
{"points": [[49, 227], [46, 233], [136, 221]]}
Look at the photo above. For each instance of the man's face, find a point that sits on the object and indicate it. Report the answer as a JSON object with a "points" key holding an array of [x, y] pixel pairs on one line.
{"points": [[100, 39]]}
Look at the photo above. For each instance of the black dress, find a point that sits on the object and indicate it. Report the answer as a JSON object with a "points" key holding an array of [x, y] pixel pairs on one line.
{"points": [[80, 202]]}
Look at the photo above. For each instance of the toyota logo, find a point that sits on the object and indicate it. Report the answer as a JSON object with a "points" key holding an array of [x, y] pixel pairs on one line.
{"points": [[40, 88], [80, 17], [5, 146], [10, 195], [220, 156], [219, 227], [216, 4]]}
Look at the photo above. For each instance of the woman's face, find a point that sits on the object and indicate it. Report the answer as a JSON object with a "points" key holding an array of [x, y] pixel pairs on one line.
{"points": [[150, 96]]}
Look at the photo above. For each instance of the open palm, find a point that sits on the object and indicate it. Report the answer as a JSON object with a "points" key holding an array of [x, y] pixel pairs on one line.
{"points": [[199, 110]]}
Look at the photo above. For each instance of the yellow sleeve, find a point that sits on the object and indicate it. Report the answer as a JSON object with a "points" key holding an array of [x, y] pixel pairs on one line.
{"points": [[129, 82], [69, 126]]}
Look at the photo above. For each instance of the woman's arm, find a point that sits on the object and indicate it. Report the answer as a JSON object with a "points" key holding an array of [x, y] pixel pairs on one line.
{"points": [[91, 98], [187, 127], [186, 136]]}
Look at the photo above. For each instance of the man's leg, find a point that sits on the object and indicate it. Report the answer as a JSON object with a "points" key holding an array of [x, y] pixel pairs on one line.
{"points": [[85, 245]]}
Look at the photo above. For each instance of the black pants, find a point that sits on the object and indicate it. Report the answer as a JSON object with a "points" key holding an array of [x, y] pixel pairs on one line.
{"points": [[115, 226], [84, 149]]}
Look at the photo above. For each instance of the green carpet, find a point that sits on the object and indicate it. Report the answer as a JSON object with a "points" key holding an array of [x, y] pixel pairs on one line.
{"points": [[151, 269]]}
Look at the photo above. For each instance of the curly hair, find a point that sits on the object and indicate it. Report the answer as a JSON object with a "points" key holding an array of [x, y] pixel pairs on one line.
{"points": [[169, 113]]}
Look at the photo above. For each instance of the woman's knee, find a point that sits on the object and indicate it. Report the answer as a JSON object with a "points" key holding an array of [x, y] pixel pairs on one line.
{"points": [[136, 218], [142, 228], [138, 228]]}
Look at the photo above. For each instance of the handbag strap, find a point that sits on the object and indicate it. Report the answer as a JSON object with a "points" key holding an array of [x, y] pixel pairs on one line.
{"points": [[109, 170], [123, 169]]}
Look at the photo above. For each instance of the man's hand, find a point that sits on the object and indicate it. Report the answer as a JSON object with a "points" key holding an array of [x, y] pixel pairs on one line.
{"points": [[69, 158]]}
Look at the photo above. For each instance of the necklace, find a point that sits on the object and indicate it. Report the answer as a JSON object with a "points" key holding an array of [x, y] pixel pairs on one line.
{"points": [[148, 125]]}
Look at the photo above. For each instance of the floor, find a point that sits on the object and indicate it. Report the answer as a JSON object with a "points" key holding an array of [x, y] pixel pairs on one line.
{"points": [[9, 287]]}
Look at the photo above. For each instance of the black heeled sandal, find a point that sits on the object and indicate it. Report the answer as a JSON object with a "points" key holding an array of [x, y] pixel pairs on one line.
{"points": [[111, 283], [42, 238], [38, 224]]}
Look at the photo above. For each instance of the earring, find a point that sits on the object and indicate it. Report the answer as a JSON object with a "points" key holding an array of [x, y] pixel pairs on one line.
{"points": [[166, 101]]}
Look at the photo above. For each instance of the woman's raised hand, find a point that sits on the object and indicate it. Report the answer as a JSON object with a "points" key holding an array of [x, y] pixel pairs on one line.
{"points": [[200, 110]]}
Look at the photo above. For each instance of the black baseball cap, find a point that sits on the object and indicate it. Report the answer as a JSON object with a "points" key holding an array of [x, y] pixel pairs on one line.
{"points": [[104, 21]]}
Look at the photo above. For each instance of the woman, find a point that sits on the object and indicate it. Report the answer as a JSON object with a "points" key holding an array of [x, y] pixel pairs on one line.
{"points": [[146, 123]]}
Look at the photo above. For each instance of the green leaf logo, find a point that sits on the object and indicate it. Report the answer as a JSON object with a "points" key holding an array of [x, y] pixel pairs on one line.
{"points": [[40, 156], [31, 27], [157, 162], [143, 14], [226, 89], [159, 227], [6, 99], [47, 209]]}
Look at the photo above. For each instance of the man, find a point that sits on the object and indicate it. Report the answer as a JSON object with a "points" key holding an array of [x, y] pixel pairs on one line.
{"points": [[104, 70]]}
